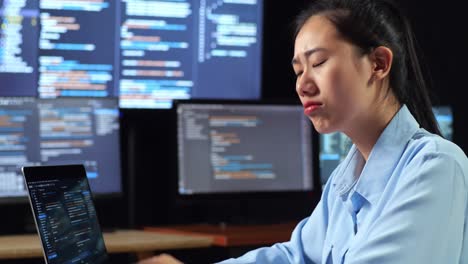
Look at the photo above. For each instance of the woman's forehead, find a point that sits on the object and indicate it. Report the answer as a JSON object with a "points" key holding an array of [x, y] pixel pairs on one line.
{"points": [[317, 32]]}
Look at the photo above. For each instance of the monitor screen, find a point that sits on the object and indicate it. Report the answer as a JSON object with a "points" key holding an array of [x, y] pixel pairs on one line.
{"points": [[444, 117], [335, 146], [147, 53], [60, 131], [65, 215], [243, 147], [19, 35]]}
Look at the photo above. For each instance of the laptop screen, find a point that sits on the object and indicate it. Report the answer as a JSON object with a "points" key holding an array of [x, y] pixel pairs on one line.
{"points": [[64, 213]]}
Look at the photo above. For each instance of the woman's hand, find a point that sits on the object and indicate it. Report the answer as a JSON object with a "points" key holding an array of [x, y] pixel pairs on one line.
{"points": [[161, 259]]}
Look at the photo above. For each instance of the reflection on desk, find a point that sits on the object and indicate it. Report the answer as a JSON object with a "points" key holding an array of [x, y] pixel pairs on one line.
{"points": [[138, 242]]}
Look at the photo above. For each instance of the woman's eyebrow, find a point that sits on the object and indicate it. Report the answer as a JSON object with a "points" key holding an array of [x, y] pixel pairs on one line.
{"points": [[307, 54]]}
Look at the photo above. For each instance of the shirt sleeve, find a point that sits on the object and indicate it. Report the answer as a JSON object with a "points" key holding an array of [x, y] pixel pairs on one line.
{"points": [[423, 220], [305, 245]]}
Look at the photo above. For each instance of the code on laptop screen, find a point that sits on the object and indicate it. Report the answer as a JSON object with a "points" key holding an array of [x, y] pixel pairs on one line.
{"points": [[67, 222]]}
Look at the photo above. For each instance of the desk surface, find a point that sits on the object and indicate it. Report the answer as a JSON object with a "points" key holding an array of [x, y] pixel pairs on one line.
{"points": [[124, 241], [234, 235]]}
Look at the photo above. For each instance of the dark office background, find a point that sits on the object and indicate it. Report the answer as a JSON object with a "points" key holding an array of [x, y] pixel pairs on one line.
{"points": [[148, 136], [148, 139]]}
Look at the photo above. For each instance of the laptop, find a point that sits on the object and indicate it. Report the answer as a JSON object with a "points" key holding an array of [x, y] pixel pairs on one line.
{"points": [[64, 214]]}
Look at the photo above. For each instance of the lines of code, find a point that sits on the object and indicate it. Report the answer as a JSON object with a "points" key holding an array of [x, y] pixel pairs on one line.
{"points": [[239, 166], [67, 221], [156, 53], [59, 131], [75, 54], [18, 47], [240, 148], [16, 129], [145, 52]]}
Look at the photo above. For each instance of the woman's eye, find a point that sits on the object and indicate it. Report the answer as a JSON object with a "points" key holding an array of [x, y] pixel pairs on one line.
{"points": [[319, 64], [298, 74]]}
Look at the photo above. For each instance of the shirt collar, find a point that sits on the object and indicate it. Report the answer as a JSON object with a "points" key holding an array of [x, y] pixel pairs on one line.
{"points": [[371, 181]]}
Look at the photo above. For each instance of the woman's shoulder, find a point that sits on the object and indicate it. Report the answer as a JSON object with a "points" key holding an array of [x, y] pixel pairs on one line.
{"points": [[427, 145]]}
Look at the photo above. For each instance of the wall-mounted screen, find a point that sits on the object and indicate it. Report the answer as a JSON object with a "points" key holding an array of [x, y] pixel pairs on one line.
{"points": [[147, 53], [59, 131]]}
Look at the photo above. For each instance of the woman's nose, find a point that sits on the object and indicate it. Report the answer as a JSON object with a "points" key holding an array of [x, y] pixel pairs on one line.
{"points": [[305, 86]]}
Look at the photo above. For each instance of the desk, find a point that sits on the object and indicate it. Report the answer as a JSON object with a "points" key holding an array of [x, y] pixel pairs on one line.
{"points": [[124, 241], [233, 235]]}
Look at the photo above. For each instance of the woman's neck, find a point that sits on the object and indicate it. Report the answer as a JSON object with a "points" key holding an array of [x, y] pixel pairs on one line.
{"points": [[365, 132]]}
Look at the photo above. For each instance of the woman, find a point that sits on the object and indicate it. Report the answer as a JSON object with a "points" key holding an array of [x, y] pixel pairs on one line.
{"points": [[400, 196]]}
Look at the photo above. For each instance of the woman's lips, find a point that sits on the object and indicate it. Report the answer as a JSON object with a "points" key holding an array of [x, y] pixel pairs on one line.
{"points": [[311, 107]]}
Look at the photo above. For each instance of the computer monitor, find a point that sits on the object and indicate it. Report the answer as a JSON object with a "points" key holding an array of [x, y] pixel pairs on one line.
{"points": [[59, 131], [189, 49], [243, 147], [147, 53], [19, 35], [444, 117], [335, 146]]}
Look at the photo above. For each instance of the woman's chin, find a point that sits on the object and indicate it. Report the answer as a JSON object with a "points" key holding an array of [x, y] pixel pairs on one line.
{"points": [[322, 127], [324, 131]]}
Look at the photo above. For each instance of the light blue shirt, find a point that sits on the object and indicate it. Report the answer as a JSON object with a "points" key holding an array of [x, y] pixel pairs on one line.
{"points": [[406, 204]]}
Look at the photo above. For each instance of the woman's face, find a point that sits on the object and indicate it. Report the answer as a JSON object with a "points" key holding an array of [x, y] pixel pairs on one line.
{"points": [[333, 77]]}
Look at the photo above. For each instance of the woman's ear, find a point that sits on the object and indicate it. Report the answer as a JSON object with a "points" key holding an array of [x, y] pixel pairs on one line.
{"points": [[381, 58]]}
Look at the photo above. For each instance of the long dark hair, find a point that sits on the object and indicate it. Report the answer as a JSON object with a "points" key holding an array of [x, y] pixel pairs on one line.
{"points": [[372, 23]]}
